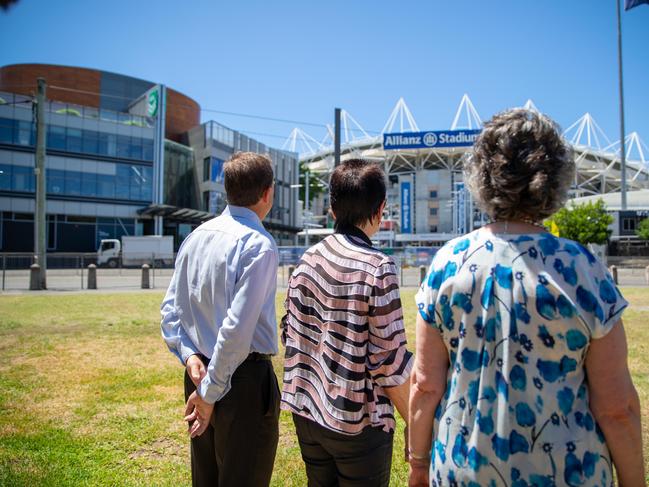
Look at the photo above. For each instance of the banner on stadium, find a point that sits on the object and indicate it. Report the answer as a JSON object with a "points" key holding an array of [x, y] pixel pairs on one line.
{"points": [[430, 139], [406, 207]]}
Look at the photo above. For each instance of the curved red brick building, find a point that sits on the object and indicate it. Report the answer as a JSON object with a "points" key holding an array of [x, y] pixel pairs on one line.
{"points": [[99, 89], [101, 171]]}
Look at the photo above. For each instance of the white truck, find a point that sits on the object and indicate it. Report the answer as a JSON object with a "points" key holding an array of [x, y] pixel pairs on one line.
{"points": [[135, 251]]}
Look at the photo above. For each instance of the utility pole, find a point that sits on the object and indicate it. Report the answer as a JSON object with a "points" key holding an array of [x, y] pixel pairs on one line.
{"points": [[622, 148], [157, 107], [336, 137], [40, 245]]}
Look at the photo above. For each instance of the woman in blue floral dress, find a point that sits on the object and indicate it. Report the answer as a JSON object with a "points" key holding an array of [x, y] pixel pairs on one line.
{"points": [[520, 376]]}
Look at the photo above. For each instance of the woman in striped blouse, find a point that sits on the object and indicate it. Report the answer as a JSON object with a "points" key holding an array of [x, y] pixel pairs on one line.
{"points": [[346, 360]]}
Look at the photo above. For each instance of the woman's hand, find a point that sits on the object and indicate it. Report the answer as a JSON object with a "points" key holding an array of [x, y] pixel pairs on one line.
{"points": [[418, 473]]}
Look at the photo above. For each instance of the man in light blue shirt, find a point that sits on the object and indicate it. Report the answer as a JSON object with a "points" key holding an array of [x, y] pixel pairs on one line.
{"points": [[218, 318]]}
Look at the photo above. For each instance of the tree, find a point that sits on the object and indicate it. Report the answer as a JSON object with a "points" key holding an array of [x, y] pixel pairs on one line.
{"points": [[585, 223], [643, 230]]}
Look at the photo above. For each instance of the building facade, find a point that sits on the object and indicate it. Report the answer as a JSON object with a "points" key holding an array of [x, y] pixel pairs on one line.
{"points": [[100, 158], [213, 144]]}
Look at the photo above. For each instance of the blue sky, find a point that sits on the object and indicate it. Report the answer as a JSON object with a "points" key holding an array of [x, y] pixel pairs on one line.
{"points": [[298, 59]]}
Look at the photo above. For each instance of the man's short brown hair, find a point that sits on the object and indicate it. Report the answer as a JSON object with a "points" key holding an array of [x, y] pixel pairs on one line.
{"points": [[246, 176]]}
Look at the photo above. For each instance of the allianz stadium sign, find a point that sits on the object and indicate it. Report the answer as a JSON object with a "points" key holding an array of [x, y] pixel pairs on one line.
{"points": [[430, 139]]}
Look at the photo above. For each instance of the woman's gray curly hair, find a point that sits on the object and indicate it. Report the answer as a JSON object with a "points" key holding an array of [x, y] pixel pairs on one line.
{"points": [[520, 168]]}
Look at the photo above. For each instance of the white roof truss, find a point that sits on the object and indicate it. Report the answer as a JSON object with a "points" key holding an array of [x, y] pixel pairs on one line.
{"points": [[586, 132], [471, 118], [400, 120], [301, 142]]}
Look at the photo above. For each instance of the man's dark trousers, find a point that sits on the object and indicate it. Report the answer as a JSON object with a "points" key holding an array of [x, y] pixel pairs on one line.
{"points": [[238, 448]]}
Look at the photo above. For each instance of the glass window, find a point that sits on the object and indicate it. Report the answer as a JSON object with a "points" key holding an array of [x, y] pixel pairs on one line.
{"points": [[56, 137], [90, 112], [123, 146], [88, 184], [55, 181], [80, 219], [51, 233], [147, 183], [206, 201], [433, 211], [90, 142], [23, 178], [122, 182], [206, 168], [73, 183], [106, 231], [24, 135], [147, 149], [136, 180], [629, 224], [107, 144], [120, 231], [73, 140], [5, 176], [135, 151], [433, 194], [216, 170], [105, 186], [108, 115], [222, 134], [23, 217], [6, 130]]}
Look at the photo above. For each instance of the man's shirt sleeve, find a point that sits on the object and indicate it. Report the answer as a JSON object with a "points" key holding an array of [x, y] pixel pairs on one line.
{"points": [[172, 329], [252, 290]]}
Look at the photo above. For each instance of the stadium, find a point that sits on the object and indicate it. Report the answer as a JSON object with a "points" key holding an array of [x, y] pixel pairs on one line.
{"points": [[427, 201]]}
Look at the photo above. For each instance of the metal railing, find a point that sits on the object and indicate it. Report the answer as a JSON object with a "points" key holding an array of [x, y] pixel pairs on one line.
{"points": [[69, 271]]}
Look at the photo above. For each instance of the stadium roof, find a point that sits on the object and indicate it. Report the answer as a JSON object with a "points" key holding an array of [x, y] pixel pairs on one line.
{"points": [[635, 200], [597, 158]]}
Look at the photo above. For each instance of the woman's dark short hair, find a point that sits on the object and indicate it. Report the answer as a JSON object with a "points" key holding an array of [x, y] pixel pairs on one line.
{"points": [[356, 192], [521, 167], [246, 176]]}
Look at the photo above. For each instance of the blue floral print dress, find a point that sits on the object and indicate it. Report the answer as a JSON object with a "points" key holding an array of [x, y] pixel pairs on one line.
{"points": [[517, 313]]}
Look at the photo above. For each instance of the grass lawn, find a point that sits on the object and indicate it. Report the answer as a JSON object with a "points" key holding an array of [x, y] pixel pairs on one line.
{"points": [[89, 394]]}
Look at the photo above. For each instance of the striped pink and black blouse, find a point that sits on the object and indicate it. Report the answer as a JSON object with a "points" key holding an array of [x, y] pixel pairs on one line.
{"points": [[344, 336]]}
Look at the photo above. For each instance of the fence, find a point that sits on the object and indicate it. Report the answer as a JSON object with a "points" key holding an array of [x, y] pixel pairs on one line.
{"points": [[69, 271]]}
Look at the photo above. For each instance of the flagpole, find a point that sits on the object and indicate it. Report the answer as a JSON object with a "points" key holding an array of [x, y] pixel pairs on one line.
{"points": [[622, 142]]}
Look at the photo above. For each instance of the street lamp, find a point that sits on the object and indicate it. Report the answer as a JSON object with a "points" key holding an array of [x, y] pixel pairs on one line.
{"points": [[306, 213], [307, 216]]}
